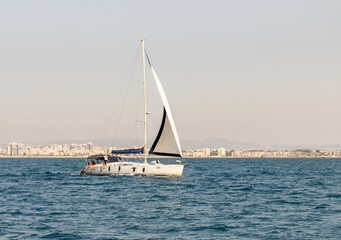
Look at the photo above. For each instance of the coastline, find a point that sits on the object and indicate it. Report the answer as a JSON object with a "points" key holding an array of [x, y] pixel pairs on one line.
{"points": [[214, 157]]}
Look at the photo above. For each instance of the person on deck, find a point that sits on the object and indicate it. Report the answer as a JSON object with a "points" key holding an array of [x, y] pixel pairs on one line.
{"points": [[105, 160]]}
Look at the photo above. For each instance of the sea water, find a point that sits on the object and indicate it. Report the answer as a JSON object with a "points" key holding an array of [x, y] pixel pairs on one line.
{"points": [[215, 199]]}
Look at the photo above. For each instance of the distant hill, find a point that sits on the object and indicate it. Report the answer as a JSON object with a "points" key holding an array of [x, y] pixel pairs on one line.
{"points": [[96, 142], [99, 142], [214, 142], [291, 147]]}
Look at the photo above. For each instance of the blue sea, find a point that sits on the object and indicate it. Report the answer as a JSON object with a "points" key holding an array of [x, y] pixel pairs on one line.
{"points": [[215, 199]]}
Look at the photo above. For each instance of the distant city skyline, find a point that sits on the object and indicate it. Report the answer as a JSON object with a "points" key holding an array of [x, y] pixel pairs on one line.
{"points": [[211, 143], [84, 150], [263, 72]]}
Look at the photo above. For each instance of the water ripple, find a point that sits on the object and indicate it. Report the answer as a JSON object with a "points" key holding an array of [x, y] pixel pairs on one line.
{"points": [[215, 199]]}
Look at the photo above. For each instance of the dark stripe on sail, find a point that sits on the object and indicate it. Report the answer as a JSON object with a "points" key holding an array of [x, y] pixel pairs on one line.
{"points": [[167, 154], [148, 58], [151, 151]]}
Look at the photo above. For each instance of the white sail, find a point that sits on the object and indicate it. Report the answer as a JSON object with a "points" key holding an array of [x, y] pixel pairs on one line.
{"points": [[167, 142]]}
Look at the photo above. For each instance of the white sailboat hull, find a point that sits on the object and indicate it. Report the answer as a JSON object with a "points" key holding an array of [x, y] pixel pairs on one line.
{"points": [[135, 169]]}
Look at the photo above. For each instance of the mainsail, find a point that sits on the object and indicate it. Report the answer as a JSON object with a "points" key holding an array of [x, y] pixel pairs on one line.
{"points": [[167, 141], [128, 151]]}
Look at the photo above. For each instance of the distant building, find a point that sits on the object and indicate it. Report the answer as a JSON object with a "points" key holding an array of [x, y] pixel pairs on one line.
{"points": [[221, 152], [20, 149], [90, 146], [198, 153], [15, 149], [73, 146], [206, 152]]}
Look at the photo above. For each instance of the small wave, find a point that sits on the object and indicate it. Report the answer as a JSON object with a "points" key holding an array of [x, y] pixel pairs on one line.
{"points": [[43, 228], [57, 213], [173, 230], [295, 193], [58, 235], [282, 201], [248, 188], [244, 189], [57, 173], [133, 227], [334, 195], [247, 212], [315, 183], [267, 172], [32, 236], [321, 206], [9, 175], [215, 227], [110, 190]]}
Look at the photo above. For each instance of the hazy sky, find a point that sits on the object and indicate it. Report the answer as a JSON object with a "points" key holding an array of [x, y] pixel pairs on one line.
{"points": [[256, 71]]}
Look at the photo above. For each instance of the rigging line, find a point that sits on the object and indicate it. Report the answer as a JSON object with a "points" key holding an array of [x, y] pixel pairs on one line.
{"points": [[130, 138], [120, 95], [137, 112], [125, 98], [134, 131]]}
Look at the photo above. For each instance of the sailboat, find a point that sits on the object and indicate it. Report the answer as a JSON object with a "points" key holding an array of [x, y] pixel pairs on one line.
{"points": [[166, 144]]}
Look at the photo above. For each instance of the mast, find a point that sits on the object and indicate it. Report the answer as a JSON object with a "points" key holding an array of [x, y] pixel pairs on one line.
{"points": [[145, 103]]}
